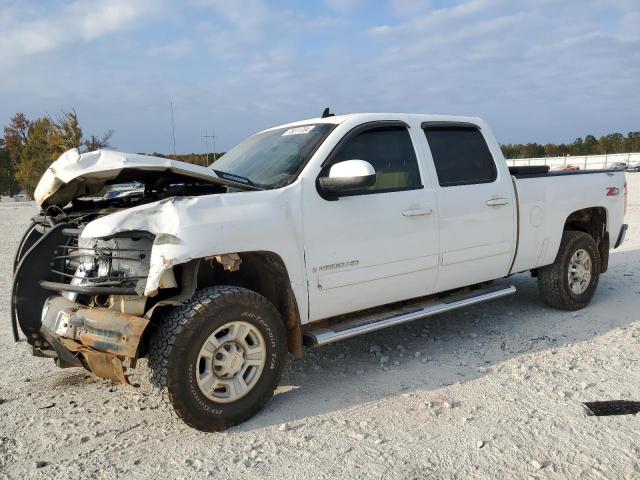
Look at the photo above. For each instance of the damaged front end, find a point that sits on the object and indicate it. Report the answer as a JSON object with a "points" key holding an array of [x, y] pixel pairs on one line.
{"points": [[80, 301], [83, 301], [92, 268]]}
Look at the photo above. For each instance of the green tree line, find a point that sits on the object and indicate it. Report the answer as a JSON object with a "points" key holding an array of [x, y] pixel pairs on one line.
{"points": [[590, 145]]}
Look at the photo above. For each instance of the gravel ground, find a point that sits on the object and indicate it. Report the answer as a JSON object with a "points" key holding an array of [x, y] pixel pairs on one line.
{"points": [[492, 391]]}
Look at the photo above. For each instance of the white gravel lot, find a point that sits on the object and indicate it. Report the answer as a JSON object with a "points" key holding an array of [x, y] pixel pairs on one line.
{"points": [[492, 391]]}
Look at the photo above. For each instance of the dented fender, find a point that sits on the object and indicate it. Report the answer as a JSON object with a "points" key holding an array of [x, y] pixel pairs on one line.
{"points": [[187, 228]]}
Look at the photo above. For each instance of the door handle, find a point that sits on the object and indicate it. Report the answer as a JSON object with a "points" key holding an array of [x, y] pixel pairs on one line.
{"points": [[496, 202], [417, 212]]}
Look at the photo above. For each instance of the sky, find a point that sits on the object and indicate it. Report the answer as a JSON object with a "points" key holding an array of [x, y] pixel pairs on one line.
{"points": [[536, 70]]}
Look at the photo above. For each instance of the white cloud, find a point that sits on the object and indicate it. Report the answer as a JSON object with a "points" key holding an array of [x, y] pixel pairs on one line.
{"points": [[243, 31], [552, 67], [82, 20], [380, 30], [96, 19], [536, 69]]}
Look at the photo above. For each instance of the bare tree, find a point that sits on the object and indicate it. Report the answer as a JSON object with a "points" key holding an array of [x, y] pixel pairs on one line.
{"points": [[96, 143]]}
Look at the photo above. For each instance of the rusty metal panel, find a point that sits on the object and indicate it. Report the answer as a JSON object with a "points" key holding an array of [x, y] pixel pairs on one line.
{"points": [[102, 364], [98, 328], [106, 365], [110, 331]]}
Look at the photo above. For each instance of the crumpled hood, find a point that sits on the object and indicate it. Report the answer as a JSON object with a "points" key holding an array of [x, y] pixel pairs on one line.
{"points": [[74, 174]]}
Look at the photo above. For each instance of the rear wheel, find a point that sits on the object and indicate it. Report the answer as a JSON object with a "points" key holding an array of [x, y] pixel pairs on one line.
{"points": [[218, 358], [571, 281]]}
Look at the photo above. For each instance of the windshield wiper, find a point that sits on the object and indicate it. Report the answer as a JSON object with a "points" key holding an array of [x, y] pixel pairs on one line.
{"points": [[236, 181]]}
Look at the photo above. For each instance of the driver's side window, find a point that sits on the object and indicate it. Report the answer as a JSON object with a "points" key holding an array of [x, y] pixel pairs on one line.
{"points": [[390, 151]]}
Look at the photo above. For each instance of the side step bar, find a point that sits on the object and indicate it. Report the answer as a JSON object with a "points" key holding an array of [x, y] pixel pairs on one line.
{"points": [[370, 322]]}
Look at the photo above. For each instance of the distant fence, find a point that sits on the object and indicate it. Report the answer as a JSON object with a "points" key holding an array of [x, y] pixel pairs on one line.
{"points": [[583, 161]]}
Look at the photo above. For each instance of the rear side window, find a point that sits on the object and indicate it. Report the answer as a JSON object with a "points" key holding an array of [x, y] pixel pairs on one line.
{"points": [[461, 155], [390, 151]]}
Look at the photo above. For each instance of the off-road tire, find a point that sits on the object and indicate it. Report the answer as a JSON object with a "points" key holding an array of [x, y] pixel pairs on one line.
{"points": [[181, 332], [553, 281]]}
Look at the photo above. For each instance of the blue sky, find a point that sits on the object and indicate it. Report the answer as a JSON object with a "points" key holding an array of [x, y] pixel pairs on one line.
{"points": [[537, 70]]}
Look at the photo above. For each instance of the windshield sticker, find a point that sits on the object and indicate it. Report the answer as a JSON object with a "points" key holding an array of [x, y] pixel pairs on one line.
{"points": [[234, 178], [298, 130]]}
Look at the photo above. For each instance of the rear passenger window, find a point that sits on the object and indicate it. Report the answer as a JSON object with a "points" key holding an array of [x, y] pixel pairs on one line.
{"points": [[461, 155], [390, 151]]}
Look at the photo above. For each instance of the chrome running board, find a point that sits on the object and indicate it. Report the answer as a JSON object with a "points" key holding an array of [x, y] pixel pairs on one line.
{"points": [[370, 322]]}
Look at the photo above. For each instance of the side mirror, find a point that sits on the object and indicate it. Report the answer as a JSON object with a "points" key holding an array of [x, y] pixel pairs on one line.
{"points": [[348, 175]]}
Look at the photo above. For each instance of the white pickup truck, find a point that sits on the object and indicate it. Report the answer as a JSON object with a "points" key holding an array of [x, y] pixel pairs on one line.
{"points": [[303, 234]]}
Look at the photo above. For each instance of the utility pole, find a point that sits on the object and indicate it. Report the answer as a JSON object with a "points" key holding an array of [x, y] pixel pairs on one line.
{"points": [[206, 140], [206, 145], [173, 129]]}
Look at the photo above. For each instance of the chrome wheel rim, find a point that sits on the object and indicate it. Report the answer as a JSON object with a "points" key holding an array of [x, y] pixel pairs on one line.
{"points": [[230, 362], [580, 267]]}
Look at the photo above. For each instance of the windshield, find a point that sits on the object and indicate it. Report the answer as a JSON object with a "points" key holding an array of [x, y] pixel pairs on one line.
{"points": [[272, 159]]}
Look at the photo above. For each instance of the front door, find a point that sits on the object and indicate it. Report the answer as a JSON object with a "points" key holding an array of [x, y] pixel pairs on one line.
{"points": [[476, 207], [378, 245]]}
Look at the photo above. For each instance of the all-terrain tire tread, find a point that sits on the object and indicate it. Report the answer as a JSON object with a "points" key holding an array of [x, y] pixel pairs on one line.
{"points": [[551, 278], [173, 322]]}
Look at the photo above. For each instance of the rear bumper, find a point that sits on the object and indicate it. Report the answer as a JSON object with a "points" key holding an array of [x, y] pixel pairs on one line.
{"points": [[621, 235], [101, 337]]}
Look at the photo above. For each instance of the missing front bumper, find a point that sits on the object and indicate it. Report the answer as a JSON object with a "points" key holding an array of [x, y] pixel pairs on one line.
{"points": [[103, 337]]}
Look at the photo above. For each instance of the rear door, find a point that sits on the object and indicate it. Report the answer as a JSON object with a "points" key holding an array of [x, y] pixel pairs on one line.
{"points": [[378, 245], [476, 206]]}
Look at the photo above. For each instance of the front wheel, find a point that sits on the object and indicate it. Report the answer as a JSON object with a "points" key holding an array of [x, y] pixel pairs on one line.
{"points": [[218, 358], [571, 281]]}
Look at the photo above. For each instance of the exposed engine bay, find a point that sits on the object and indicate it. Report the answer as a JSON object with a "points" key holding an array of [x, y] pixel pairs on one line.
{"points": [[81, 300]]}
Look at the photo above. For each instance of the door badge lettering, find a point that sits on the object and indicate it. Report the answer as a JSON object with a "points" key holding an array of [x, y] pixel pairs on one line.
{"points": [[335, 266]]}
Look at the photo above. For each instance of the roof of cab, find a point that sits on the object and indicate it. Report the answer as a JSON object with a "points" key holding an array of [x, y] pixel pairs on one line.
{"points": [[368, 117]]}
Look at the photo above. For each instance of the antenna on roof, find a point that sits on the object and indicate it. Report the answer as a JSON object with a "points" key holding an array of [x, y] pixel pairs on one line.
{"points": [[327, 113]]}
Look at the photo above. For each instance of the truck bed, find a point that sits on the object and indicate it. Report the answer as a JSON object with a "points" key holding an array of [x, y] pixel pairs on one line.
{"points": [[545, 201]]}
